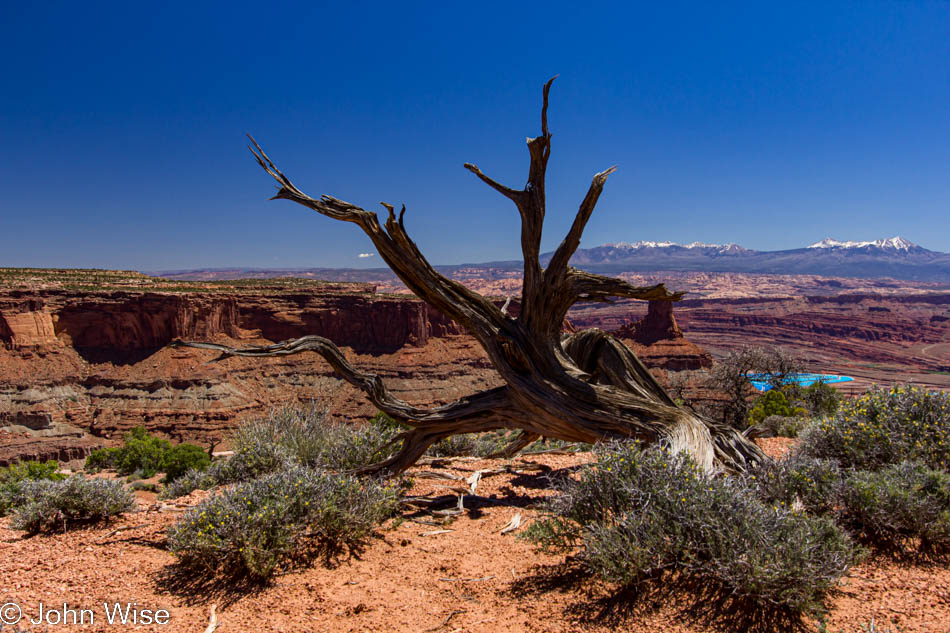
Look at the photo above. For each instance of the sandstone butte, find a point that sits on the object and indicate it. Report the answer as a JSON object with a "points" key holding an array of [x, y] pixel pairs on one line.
{"points": [[81, 363]]}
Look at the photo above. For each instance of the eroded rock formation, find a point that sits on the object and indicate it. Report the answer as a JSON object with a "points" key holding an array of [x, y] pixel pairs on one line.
{"points": [[658, 341]]}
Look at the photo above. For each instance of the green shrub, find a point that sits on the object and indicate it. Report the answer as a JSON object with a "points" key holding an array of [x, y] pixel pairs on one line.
{"points": [[885, 427], [639, 515], [13, 476], [182, 458], [53, 505], [101, 459], [774, 403], [821, 399], [140, 453], [900, 507], [277, 520]]}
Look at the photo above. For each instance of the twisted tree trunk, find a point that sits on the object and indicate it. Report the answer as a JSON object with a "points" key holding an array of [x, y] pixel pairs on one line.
{"points": [[585, 387]]}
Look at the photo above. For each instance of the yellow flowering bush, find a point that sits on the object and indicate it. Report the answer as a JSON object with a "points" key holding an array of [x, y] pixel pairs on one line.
{"points": [[884, 427]]}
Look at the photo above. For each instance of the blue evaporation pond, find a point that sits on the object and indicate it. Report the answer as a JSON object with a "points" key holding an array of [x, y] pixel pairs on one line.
{"points": [[760, 381]]}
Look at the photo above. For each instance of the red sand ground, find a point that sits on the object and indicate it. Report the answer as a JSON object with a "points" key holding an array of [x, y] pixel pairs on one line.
{"points": [[470, 579]]}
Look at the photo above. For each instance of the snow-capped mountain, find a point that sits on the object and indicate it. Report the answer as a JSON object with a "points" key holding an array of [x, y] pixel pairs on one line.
{"points": [[889, 257], [722, 248], [896, 243]]}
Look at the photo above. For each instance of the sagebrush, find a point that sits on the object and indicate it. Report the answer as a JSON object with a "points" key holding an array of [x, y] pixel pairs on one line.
{"points": [[12, 480], [904, 507], [280, 519], [639, 515], [293, 437], [47, 505]]}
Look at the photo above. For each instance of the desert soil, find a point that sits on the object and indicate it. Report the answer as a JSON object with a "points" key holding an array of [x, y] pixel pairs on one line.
{"points": [[414, 576]]}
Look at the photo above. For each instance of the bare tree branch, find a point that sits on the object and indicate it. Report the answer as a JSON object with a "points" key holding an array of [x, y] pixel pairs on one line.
{"points": [[524, 438], [465, 306], [512, 194], [558, 264], [479, 404], [590, 287]]}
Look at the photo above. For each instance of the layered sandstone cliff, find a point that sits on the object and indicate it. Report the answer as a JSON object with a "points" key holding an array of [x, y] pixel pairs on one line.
{"points": [[80, 366], [82, 363]]}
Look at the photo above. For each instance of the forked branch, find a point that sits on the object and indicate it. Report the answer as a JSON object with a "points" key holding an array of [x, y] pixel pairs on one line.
{"points": [[531, 207], [585, 388], [473, 311]]}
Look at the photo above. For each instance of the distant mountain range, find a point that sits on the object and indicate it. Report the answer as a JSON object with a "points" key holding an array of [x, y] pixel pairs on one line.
{"points": [[892, 257]]}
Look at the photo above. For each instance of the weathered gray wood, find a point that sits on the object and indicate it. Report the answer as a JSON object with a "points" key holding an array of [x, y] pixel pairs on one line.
{"points": [[586, 388]]}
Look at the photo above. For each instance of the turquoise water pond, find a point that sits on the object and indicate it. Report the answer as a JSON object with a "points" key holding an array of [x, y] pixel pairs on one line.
{"points": [[759, 381]]}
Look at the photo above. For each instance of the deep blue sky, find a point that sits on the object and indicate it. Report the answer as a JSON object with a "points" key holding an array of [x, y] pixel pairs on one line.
{"points": [[771, 126]]}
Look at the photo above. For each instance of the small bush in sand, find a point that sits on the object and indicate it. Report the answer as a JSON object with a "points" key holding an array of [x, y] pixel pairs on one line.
{"points": [[48, 506], [279, 520], [192, 480], [885, 427], [471, 444], [12, 478], [782, 426], [902, 507], [492, 442], [641, 515]]}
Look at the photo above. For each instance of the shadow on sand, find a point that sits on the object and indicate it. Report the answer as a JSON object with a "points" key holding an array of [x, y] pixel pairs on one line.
{"points": [[695, 603]]}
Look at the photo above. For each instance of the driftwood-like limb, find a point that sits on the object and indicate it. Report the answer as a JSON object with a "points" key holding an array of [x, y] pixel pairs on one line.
{"points": [[512, 194], [465, 306], [586, 388], [371, 384]]}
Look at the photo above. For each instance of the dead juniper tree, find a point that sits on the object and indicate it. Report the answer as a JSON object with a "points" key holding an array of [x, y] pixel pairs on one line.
{"points": [[584, 387]]}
